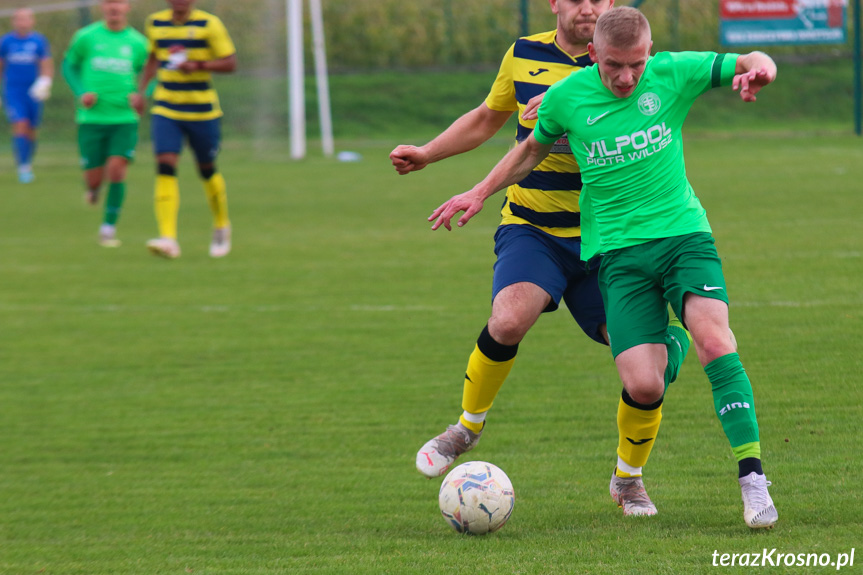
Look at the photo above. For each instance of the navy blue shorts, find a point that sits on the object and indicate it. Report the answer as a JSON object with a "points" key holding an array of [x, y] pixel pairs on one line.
{"points": [[527, 254], [204, 137], [20, 106]]}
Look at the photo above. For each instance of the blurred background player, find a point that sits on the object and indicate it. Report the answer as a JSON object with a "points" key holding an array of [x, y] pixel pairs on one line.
{"points": [[27, 72], [102, 66], [186, 46], [538, 247]]}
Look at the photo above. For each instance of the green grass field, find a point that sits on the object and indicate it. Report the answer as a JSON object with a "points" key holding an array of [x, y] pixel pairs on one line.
{"points": [[260, 414]]}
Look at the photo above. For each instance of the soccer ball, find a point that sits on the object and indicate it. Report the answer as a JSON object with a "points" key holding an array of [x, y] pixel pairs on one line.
{"points": [[476, 497]]}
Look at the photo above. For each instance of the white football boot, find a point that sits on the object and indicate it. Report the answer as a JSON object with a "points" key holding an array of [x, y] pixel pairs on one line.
{"points": [[758, 509], [221, 244], [630, 495], [164, 247], [438, 454], [108, 236]]}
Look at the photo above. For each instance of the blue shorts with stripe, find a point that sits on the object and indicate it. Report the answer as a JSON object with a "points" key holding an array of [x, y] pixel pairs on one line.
{"points": [[204, 137], [20, 106], [527, 254]]}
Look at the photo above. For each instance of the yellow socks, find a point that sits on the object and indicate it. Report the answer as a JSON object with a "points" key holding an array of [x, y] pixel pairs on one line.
{"points": [[637, 426], [218, 199], [167, 198], [488, 367]]}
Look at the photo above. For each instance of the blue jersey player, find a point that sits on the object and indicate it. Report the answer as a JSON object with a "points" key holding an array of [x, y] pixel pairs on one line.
{"points": [[27, 71]]}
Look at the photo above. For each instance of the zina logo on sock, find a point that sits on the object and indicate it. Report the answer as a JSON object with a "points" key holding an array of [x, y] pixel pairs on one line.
{"points": [[734, 405]]}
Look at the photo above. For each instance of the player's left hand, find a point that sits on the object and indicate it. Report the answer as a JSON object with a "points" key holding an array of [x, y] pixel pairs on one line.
{"points": [[137, 103], [750, 83], [532, 107], [468, 202]]}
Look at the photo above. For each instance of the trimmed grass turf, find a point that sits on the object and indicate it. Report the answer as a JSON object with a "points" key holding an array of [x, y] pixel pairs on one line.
{"points": [[260, 414]]}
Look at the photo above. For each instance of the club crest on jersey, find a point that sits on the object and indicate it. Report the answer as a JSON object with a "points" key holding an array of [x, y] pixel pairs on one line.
{"points": [[649, 104]]}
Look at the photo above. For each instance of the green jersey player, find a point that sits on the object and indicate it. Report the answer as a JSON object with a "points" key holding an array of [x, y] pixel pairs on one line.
{"points": [[623, 118], [102, 66]]}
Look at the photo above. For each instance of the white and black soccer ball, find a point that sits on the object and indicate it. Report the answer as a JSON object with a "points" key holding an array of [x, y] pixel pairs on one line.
{"points": [[476, 498]]}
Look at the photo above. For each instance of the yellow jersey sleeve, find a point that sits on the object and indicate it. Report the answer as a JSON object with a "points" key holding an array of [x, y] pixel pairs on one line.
{"points": [[502, 95], [220, 42]]}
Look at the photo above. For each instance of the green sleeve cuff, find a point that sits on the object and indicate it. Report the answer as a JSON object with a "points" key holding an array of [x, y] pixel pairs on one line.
{"points": [[724, 68], [543, 136]]}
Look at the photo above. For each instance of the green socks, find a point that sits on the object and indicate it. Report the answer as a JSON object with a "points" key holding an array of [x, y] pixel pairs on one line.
{"points": [[732, 398], [114, 202]]}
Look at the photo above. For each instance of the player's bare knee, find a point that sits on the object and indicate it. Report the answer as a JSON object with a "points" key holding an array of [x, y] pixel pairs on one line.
{"points": [[507, 328], [645, 391], [714, 346]]}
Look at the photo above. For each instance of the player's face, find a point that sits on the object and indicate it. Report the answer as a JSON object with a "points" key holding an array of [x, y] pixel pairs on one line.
{"points": [[619, 68], [23, 21], [181, 5], [115, 11], [576, 19]]}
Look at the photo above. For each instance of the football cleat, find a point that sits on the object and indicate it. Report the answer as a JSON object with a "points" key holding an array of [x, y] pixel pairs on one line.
{"points": [[91, 197], [108, 236], [630, 495], [164, 247], [221, 244], [438, 454], [25, 174], [758, 509]]}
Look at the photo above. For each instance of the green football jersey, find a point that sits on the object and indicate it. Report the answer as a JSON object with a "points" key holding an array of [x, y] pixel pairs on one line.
{"points": [[630, 150], [107, 63]]}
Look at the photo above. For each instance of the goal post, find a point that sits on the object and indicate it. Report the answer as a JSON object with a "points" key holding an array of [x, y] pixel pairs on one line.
{"points": [[296, 78]]}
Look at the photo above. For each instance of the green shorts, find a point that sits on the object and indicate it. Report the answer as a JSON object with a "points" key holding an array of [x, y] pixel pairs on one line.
{"points": [[638, 283], [98, 142]]}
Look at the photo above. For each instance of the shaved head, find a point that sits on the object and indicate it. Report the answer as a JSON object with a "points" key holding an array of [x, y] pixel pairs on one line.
{"points": [[622, 28], [23, 20]]}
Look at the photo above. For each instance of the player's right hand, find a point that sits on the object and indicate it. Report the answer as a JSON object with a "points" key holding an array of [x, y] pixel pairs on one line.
{"points": [[88, 100], [469, 203], [407, 159]]}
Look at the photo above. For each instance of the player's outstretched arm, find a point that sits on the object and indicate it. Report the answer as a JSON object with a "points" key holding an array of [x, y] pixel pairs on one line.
{"points": [[513, 168], [465, 134], [754, 71]]}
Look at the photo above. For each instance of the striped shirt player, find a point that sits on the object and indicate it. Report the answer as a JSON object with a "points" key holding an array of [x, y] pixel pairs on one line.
{"points": [[186, 46], [544, 199]]}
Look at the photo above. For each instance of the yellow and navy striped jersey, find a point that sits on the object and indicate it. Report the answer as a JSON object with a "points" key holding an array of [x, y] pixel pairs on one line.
{"points": [[180, 95], [548, 197]]}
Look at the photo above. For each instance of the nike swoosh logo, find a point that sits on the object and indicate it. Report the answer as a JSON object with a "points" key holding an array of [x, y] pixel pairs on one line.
{"points": [[537, 72], [592, 121], [640, 441], [711, 288]]}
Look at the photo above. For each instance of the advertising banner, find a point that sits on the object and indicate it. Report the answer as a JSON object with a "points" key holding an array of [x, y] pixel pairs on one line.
{"points": [[774, 22]]}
